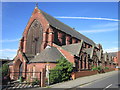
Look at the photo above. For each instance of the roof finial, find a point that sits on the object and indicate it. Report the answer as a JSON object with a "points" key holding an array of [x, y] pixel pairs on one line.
{"points": [[36, 5]]}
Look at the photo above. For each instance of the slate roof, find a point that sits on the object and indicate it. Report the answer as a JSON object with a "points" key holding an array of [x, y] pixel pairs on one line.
{"points": [[114, 54], [97, 45], [7, 61], [10, 63], [74, 49], [65, 28], [29, 56], [105, 56], [99, 54], [110, 58], [47, 55], [89, 51]]}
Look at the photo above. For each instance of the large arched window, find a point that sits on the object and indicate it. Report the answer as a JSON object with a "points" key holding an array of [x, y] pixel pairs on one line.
{"points": [[34, 38]]}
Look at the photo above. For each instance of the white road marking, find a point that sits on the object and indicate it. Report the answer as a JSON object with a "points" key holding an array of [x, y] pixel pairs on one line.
{"points": [[107, 86]]}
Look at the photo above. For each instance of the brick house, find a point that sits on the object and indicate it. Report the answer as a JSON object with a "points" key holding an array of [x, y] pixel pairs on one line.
{"points": [[45, 39], [116, 58]]}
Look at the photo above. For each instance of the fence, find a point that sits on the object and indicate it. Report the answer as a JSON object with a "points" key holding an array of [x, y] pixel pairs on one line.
{"points": [[24, 80]]}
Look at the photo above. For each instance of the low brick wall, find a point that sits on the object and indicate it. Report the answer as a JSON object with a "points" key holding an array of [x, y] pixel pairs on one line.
{"points": [[108, 70], [117, 69], [87, 73], [82, 73]]}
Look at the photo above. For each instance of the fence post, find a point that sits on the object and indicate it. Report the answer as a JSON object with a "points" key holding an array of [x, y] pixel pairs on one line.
{"points": [[43, 78], [40, 79]]}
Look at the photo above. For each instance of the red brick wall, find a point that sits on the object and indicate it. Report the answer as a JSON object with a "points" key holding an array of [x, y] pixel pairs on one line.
{"points": [[40, 69], [87, 73], [11, 70], [39, 66], [118, 59], [82, 73], [108, 70], [67, 55]]}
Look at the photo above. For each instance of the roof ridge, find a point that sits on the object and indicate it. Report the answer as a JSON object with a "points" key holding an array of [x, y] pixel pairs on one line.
{"points": [[71, 44], [79, 45], [57, 19], [71, 29]]}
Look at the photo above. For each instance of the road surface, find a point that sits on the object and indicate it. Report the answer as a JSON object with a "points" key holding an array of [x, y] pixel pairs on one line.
{"points": [[106, 83]]}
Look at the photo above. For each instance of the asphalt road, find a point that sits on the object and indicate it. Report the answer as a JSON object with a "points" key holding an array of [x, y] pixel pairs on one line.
{"points": [[106, 83]]}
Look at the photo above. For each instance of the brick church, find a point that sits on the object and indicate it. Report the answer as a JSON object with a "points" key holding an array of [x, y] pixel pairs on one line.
{"points": [[46, 39]]}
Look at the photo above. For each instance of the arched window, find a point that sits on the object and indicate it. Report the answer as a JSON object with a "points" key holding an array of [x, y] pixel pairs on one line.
{"points": [[34, 38], [56, 37], [85, 62], [81, 61], [64, 39]]}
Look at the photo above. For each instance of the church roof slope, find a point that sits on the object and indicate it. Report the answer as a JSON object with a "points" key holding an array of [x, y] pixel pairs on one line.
{"points": [[89, 51], [50, 54], [98, 54], [65, 28], [114, 54], [74, 49]]}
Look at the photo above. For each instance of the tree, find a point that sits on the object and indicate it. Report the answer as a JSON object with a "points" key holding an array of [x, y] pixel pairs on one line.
{"points": [[62, 71], [4, 70]]}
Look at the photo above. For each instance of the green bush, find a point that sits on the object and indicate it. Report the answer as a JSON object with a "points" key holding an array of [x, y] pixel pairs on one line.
{"points": [[94, 67], [4, 74], [106, 68], [20, 78], [61, 72], [4, 69], [55, 76], [99, 68]]}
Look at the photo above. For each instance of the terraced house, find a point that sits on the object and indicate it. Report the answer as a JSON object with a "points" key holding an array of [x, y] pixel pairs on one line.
{"points": [[46, 39]]}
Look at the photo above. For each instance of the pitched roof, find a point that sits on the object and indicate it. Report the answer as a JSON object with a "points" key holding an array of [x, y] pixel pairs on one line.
{"points": [[99, 54], [114, 54], [74, 49], [89, 51], [110, 57], [10, 63], [105, 56], [5, 60], [29, 56], [47, 55], [65, 28]]}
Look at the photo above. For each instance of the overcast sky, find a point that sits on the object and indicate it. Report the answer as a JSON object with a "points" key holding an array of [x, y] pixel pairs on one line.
{"points": [[98, 21]]}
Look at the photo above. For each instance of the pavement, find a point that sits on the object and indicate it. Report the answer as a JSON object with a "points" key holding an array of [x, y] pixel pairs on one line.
{"points": [[83, 80], [79, 82]]}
